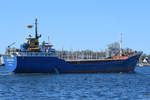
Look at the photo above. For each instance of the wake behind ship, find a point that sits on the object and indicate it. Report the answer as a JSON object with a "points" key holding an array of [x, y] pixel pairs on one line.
{"points": [[35, 58]]}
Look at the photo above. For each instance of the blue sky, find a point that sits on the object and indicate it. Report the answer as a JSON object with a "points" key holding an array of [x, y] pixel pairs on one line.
{"points": [[77, 24]]}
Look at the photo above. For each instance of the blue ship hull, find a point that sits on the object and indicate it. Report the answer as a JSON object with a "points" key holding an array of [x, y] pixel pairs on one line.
{"points": [[40, 64]]}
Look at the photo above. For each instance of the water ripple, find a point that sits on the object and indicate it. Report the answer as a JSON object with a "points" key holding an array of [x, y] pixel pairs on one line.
{"points": [[102, 86]]}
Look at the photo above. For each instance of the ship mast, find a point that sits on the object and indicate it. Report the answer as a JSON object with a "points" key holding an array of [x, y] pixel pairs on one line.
{"points": [[121, 44], [36, 33], [48, 40]]}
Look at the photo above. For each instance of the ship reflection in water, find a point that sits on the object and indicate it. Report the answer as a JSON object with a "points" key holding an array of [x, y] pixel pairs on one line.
{"points": [[101, 86]]}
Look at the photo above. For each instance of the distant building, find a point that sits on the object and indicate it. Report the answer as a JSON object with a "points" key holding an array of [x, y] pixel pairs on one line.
{"points": [[112, 49]]}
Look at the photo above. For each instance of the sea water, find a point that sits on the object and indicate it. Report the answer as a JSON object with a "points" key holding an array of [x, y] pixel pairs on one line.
{"points": [[100, 86]]}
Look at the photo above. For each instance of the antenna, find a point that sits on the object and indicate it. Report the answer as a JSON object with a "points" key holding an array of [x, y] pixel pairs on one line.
{"points": [[120, 44]]}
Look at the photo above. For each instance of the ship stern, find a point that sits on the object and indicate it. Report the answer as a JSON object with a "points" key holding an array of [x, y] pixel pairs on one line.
{"points": [[10, 63]]}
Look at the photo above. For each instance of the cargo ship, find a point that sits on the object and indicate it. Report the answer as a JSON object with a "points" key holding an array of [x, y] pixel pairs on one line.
{"points": [[33, 57]]}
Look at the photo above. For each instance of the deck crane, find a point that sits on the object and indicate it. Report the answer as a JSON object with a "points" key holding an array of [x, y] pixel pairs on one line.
{"points": [[11, 44]]}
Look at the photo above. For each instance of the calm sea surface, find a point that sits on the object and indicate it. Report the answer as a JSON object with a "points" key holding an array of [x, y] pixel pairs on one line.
{"points": [[108, 86]]}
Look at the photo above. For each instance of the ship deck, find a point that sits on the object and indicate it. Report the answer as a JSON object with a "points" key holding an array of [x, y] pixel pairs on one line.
{"points": [[91, 60]]}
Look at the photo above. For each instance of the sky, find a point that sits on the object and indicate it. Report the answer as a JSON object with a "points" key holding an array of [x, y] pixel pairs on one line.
{"points": [[77, 24]]}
